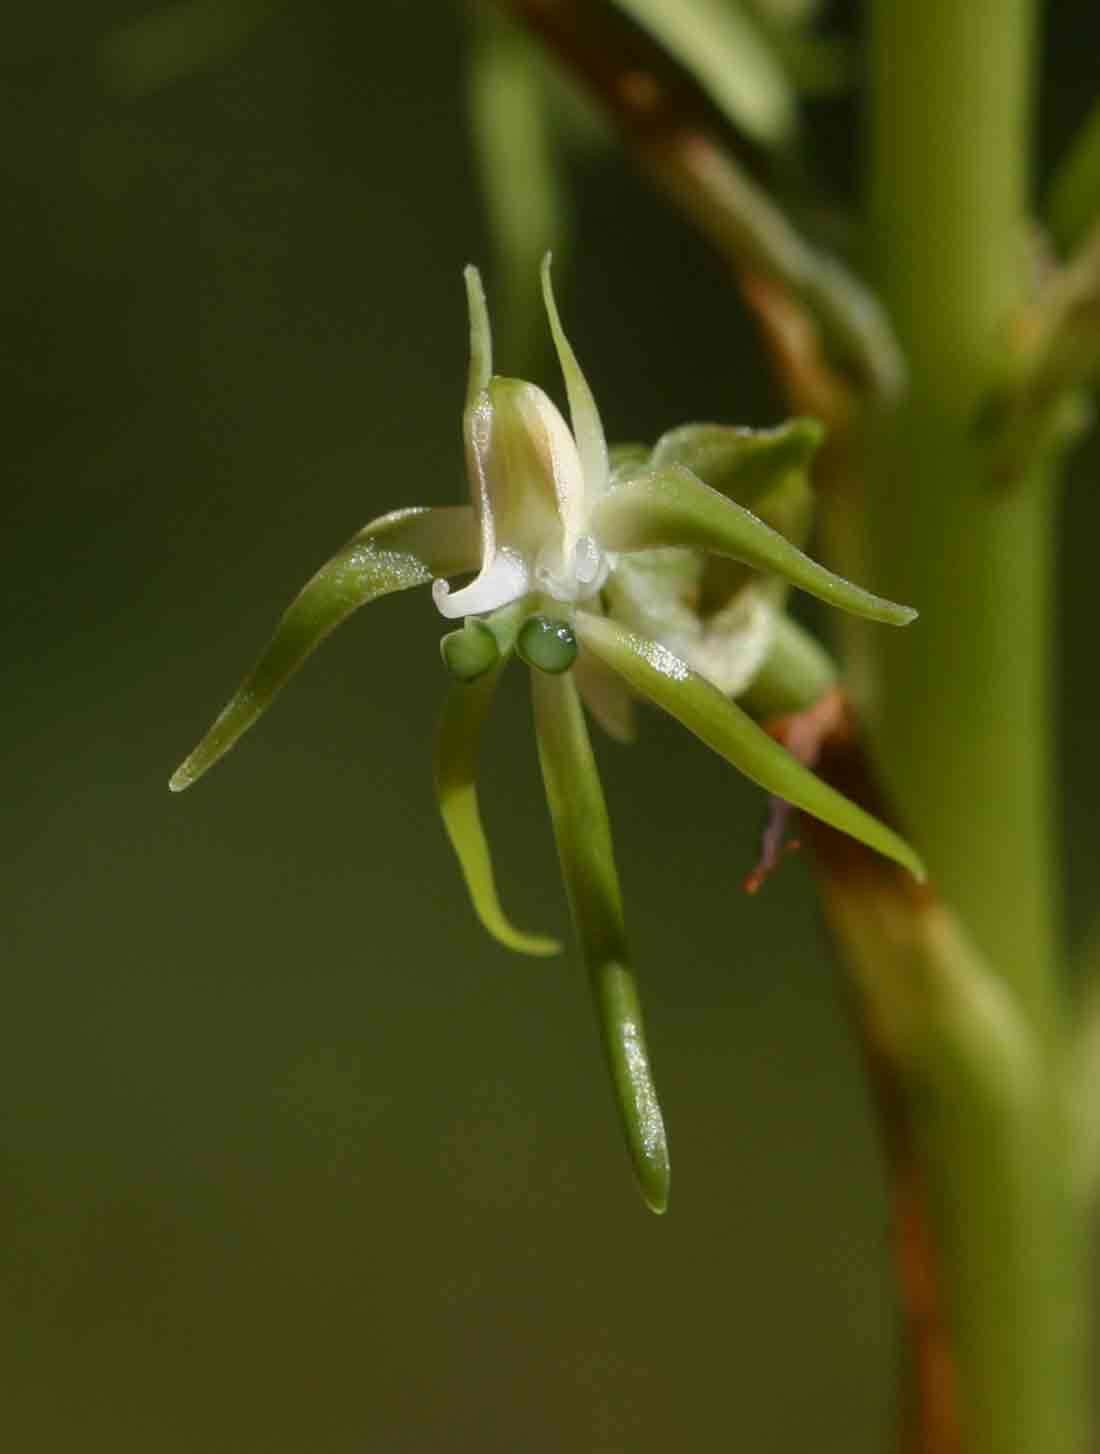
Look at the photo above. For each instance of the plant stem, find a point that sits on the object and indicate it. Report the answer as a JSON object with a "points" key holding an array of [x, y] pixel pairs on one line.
{"points": [[962, 710], [960, 713]]}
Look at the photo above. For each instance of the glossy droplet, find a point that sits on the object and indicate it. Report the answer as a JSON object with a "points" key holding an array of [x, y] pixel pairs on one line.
{"points": [[469, 652], [547, 645]]}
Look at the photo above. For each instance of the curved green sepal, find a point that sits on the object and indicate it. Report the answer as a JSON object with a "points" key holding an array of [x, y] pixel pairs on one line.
{"points": [[671, 506], [741, 463], [653, 671], [455, 771], [583, 835], [585, 417], [403, 549]]}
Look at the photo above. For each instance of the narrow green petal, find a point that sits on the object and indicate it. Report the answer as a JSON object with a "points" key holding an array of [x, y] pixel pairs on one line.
{"points": [[583, 834], [741, 463], [585, 417], [672, 507], [405, 548], [481, 337], [455, 764], [653, 671]]}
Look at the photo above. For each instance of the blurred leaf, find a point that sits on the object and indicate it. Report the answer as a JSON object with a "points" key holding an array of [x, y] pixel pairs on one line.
{"points": [[521, 180], [730, 58]]}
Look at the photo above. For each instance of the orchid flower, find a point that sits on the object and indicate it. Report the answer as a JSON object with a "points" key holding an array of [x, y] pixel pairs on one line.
{"points": [[613, 576]]}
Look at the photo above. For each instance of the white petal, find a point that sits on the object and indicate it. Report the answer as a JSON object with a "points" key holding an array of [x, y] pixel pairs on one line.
{"points": [[505, 580]]}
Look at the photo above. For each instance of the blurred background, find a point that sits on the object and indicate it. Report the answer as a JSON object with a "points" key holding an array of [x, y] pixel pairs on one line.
{"points": [[293, 1157]]}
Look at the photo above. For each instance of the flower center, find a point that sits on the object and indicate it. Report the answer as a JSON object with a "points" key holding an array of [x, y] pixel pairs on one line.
{"points": [[578, 578]]}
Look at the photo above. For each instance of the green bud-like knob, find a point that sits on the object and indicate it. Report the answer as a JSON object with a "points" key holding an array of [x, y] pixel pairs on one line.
{"points": [[470, 652], [548, 645]]}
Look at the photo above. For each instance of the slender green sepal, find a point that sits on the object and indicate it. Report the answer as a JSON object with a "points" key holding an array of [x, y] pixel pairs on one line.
{"points": [[455, 769], [547, 644], [672, 507], [744, 464], [655, 672], [403, 549], [1073, 203], [583, 414], [583, 835], [730, 57], [470, 652], [481, 337]]}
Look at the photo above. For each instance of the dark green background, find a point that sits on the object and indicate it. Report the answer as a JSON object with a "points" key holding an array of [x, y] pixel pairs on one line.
{"points": [[293, 1157]]}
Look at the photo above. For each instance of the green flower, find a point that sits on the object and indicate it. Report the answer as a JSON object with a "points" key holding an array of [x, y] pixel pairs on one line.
{"points": [[613, 578]]}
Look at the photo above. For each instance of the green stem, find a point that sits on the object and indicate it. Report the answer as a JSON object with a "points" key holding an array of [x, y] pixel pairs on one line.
{"points": [[962, 710], [959, 707]]}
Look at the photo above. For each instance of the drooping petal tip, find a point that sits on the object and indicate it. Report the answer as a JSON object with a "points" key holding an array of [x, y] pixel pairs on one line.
{"points": [[455, 772]]}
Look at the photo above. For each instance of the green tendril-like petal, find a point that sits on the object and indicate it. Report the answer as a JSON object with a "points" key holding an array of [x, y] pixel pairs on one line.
{"points": [[585, 417], [583, 834], [671, 507], [455, 766], [403, 549], [655, 672]]}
